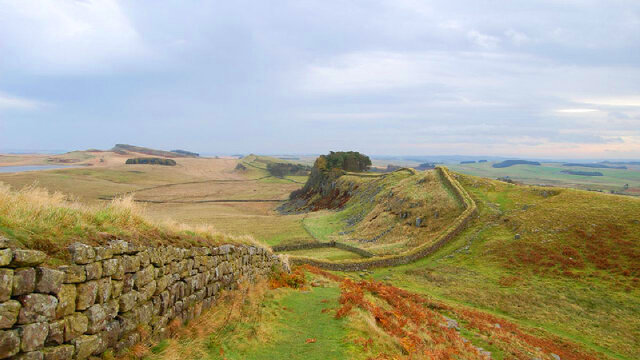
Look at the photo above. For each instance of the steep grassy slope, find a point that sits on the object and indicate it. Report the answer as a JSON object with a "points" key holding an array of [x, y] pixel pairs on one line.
{"points": [[384, 214], [561, 260]]}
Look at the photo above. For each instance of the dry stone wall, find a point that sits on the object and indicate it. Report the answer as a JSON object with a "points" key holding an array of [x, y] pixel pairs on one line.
{"points": [[109, 293]]}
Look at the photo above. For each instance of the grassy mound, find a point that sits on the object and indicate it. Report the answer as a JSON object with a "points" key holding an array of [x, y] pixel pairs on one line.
{"points": [[37, 219]]}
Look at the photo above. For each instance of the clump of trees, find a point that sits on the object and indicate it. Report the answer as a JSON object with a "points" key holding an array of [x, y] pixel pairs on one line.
{"points": [[508, 163], [351, 161], [286, 169], [186, 153], [151, 161]]}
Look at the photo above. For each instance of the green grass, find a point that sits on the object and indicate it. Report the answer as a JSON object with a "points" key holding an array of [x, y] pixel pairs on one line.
{"points": [[325, 253], [294, 317], [551, 173]]}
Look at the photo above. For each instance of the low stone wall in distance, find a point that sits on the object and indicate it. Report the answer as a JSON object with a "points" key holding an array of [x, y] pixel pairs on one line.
{"points": [[109, 293]]}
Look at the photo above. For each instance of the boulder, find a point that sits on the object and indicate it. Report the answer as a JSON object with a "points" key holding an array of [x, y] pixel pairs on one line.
{"points": [[24, 281], [37, 308], [33, 336], [9, 311], [48, 281]]}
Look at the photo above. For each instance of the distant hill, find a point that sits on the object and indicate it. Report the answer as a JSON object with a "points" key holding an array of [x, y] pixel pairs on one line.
{"points": [[508, 163], [123, 148], [582, 173]]}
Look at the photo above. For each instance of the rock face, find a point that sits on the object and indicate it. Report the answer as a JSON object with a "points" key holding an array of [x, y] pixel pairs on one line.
{"points": [[98, 302]]}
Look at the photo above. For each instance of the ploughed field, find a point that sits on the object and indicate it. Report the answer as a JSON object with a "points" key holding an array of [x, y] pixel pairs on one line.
{"points": [[540, 272]]}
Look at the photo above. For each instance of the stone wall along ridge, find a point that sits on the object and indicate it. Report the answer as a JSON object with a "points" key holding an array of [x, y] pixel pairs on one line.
{"points": [[108, 293]]}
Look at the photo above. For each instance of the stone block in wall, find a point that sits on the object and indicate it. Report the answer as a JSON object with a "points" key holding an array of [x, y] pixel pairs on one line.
{"points": [[103, 253], [9, 343], [9, 311], [97, 318], [48, 281], [93, 270], [128, 341], [6, 255], [24, 258], [85, 346], [127, 301], [111, 308], [161, 284], [128, 322], [118, 247], [56, 333], [144, 276], [131, 263], [73, 274], [37, 308], [147, 291], [62, 352], [113, 267], [116, 288], [33, 355], [111, 333], [81, 253], [66, 300], [86, 294], [145, 312], [24, 281], [6, 284], [33, 336], [74, 326], [144, 258], [104, 290]]}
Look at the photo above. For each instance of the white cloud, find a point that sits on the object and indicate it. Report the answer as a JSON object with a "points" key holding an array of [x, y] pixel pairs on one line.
{"points": [[516, 37], [483, 40], [576, 111], [8, 102], [66, 36]]}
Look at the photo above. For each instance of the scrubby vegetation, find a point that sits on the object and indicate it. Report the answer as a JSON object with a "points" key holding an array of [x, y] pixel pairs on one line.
{"points": [[125, 148], [508, 163], [37, 219], [186, 153], [582, 173], [151, 161], [285, 169], [596, 166]]}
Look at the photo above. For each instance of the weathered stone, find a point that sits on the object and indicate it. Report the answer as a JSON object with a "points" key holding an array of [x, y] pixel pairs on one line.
{"points": [[147, 291], [93, 270], [130, 263], [62, 352], [128, 301], [9, 343], [85, 345], [86, 294], [143, 277], [112, 267], [56, 333], [9, 313], [517, 237], [103, 253], [104, 290], [48, 281], [97, 318], [24, 281], [23, 257], [74, 326], [73, 274], [6, 255], [111, 333], [37, 308], [33, 355], [127, 342], [4, 242], [33, 336], [66, 300], [118, 247], [6, 284], [81, 253], [116, 288], [111, 308]]}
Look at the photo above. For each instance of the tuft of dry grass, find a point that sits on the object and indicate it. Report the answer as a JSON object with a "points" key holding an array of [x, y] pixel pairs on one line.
{"points": [[38, 219]]}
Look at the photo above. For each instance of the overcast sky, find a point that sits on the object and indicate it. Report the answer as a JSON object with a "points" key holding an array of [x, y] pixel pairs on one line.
{"points": [[550, 78]]}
